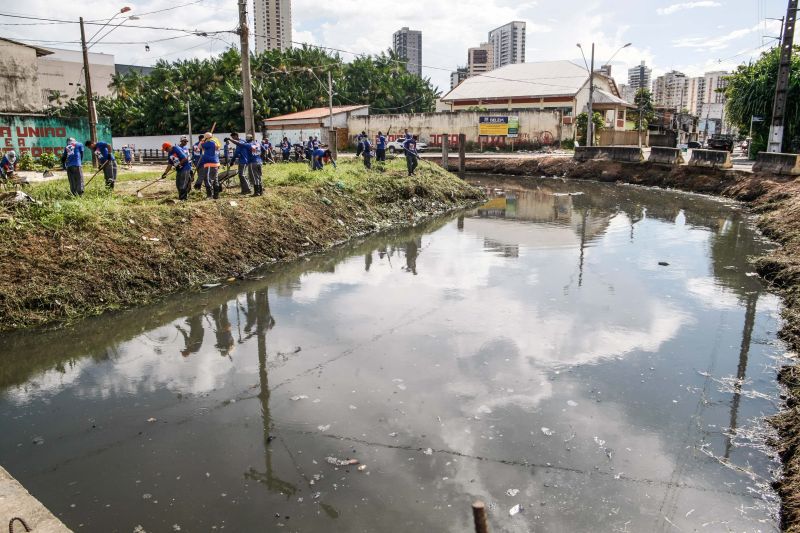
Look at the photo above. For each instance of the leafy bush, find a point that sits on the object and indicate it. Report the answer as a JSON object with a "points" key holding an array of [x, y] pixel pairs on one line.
{"points": [[568, 144], [25, 161], [48, 160]]}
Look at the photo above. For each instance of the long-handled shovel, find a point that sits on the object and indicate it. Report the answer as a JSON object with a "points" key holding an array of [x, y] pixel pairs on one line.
{"points": [[163, 176], [96, 173]]}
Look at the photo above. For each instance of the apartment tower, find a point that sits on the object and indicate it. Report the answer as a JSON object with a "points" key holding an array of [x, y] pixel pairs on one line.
{"points": [[273, 24], [508, 44], [407, 44]]}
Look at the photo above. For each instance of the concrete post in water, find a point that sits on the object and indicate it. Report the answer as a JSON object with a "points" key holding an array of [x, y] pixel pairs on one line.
{"points": [[479, 515], [445, 150], [462, 153]]}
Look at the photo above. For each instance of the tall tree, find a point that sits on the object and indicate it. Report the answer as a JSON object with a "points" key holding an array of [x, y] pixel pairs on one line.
{"points": [[283, 82], [751, 92], [644, 106]]}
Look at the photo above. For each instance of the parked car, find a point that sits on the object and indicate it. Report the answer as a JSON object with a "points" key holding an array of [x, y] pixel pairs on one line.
{"points": [[694, 144], [721, 142], [395, 147]]}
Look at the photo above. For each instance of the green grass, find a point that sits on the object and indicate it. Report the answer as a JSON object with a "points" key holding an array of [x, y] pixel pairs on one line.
{"points": [[99, 207]]}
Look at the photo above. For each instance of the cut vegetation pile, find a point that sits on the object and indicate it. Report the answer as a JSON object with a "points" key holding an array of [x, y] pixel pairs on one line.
{"points": [[68, 257]]}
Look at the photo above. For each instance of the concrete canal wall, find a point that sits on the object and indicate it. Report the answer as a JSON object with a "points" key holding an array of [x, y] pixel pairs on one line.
{"points": [[18, 506]]}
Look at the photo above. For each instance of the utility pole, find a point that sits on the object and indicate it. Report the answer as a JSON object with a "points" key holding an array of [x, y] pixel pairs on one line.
{"points": [[775, 141], [247, 82], [590, 122], [331, 131], [189, 118], [89, 96]]}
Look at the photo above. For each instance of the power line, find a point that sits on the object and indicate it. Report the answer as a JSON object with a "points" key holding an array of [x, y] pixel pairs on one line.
{"points": [[161, 28]]}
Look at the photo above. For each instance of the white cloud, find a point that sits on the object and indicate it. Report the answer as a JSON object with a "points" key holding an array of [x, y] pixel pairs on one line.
{"points": [[674, 8]]}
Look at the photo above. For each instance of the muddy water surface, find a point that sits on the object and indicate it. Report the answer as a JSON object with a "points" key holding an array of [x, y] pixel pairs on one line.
{"points": [[529, 353]]}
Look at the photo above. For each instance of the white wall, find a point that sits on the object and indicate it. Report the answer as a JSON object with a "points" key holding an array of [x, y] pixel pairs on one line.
{"points": [[155, 141], [535, 125]]}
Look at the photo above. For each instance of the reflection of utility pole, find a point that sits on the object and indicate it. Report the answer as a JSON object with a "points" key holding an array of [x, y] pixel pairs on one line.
{"points": [[741, 370], [265, 322], [583, 247]]}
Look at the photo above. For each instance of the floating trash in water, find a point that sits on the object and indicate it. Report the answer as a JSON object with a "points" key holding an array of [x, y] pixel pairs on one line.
{"points": [[484, 409], [341, 462], [361, 468], [600, 442], [176, 527], [353, 407], [548, 432], [393, 434], [151, 419], [38, 440], [619, 475], [512, 492], [146, 496], [514, 510], [210, 285], [429, 451], [401, 386], [663, 263], [326, 427], [572, 403], [299, 397], [749, 275]]}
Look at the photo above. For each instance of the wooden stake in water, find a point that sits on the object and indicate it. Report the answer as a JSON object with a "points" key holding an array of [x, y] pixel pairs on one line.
{"points": [[479, 514]]}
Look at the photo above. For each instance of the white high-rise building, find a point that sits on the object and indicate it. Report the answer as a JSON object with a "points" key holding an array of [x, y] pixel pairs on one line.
{"points": [[273, 24], [639, 77], [671, 90], [508, 44], [407, 44]]}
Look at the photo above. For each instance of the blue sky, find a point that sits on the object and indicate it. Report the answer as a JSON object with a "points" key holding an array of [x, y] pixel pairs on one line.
{"points": [[687, 35]]}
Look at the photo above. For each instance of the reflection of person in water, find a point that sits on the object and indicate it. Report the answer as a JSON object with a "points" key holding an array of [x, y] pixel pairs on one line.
{"points": [[367, 261], [194, 337], [412, 251], [222, 324]]}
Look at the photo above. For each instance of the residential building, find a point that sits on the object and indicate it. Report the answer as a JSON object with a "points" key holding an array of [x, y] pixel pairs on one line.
{"points": [[19, 76], [316, 122], [530, 86], [671, 90], [273, 24], [459, 75], [508, 44], [407, 44], [712, 84], [639, 77], [693, 95], [627, 92], [61, 73], [480, 59]]}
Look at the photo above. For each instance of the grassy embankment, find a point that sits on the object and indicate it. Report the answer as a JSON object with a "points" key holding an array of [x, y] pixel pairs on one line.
{"points": [[69, 257]]}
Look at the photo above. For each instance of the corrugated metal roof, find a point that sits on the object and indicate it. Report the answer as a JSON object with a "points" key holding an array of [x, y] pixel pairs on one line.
{"points": [[603, 97], [541, 79], [317, 112]]}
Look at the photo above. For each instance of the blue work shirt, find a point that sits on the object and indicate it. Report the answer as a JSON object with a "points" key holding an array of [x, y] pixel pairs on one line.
{"points": [[210, 154], [319, 152], [127, 153], [74, 153], [367, 145], [381, 142], [7, 164], [103, 151], [179, 159], [286, 147], [410, 146], [197, 151], [255, 152], [242, 152]]}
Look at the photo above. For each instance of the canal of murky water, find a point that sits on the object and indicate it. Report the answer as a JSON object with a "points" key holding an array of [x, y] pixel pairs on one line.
{"points": [[582, 357]]}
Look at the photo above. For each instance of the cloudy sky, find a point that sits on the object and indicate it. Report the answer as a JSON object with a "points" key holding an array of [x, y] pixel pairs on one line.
{"points": [[690, 36]]}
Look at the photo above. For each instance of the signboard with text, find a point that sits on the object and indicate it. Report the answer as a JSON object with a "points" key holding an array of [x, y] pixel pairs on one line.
{"points": [[37, 135], [503, 126]]}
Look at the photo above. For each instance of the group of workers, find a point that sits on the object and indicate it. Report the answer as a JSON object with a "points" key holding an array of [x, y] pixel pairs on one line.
{"points": [[408, 143], [203, 160]]}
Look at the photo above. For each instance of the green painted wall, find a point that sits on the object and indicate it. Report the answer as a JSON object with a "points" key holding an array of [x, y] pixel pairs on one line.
{"points": [[37, 135]]}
